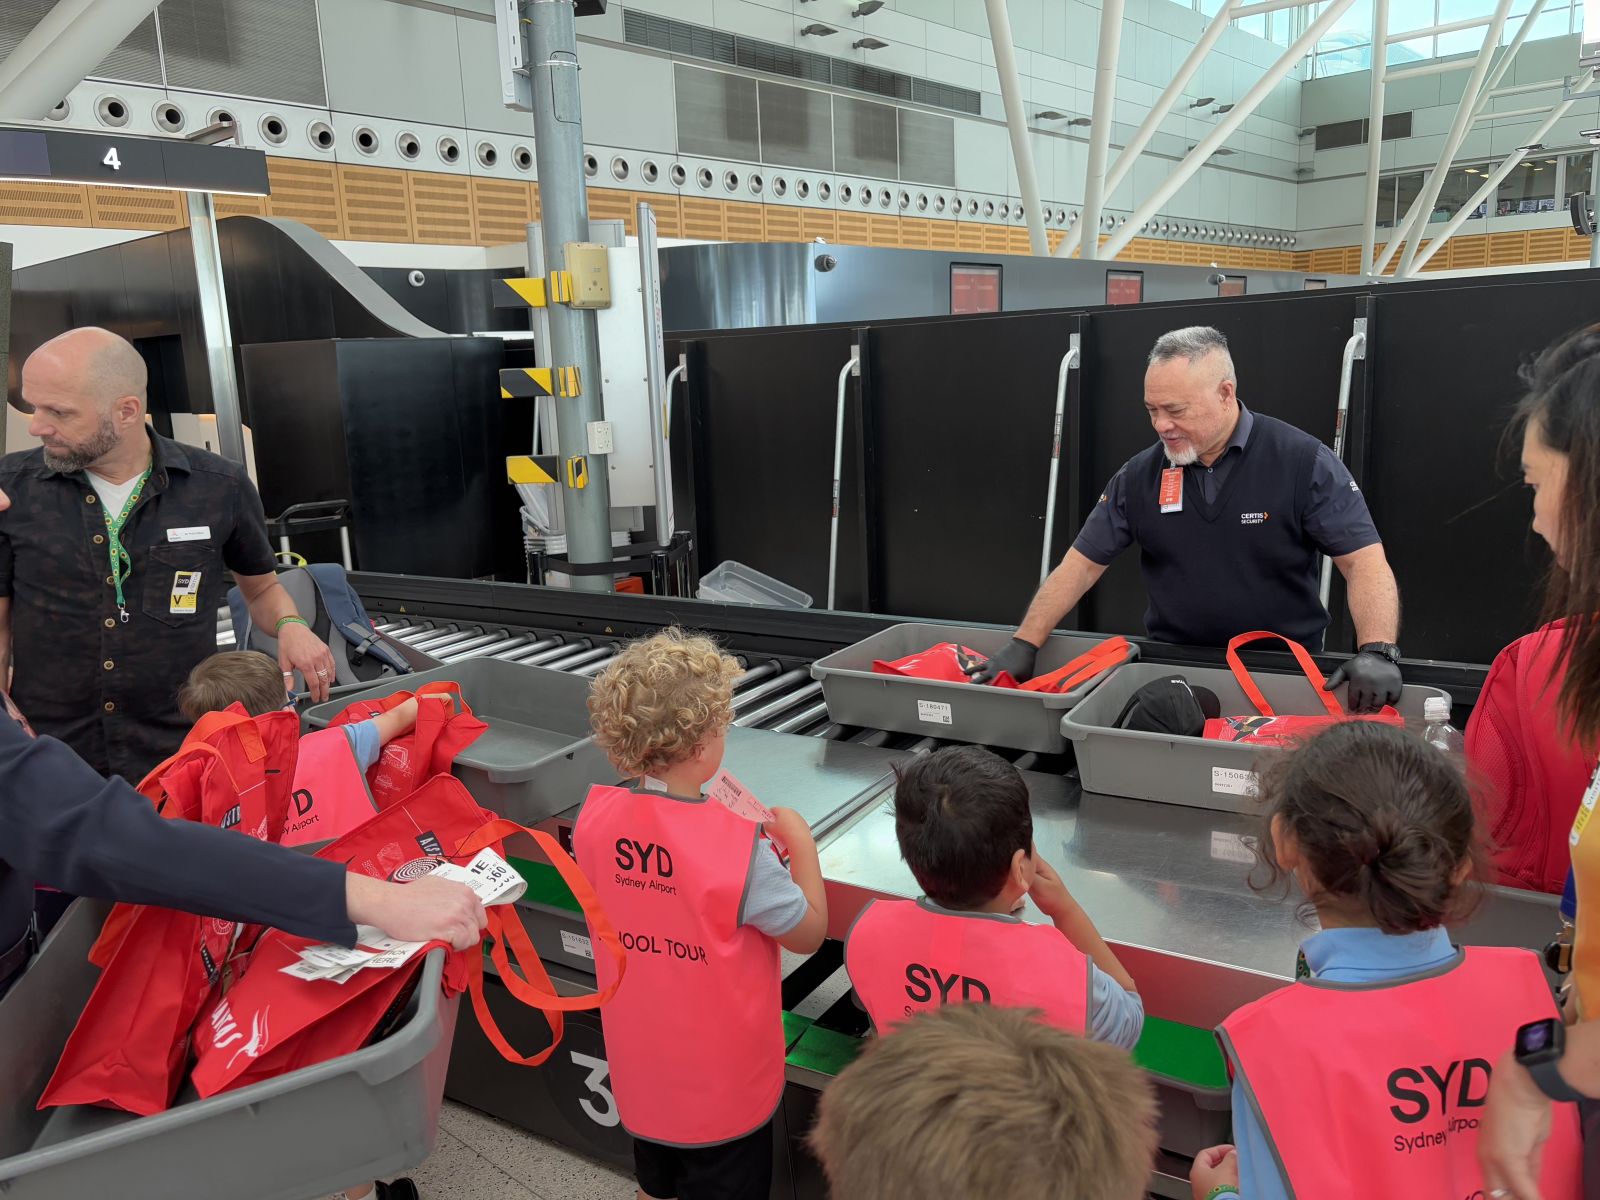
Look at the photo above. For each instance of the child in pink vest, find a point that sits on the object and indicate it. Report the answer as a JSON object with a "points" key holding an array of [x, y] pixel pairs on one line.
{"points": [[966, 831], [1368, 1078], [694, 1035], [331, 796]]}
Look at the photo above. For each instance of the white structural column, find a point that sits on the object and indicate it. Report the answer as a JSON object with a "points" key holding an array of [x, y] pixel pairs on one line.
{"points": [[1508, 55], [1391, 247], [1005, 65], [1105, 102], [1369, 213], [1487, 189], [72, 39], [1152, 121], [1242, 108], [1458, 132]]}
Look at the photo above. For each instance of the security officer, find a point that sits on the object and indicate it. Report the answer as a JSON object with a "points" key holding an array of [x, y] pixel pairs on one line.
{"points": [[62, 824], [1230, 509], [111, 563]]}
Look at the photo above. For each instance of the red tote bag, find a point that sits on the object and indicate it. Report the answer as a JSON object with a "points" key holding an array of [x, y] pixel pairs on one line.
{"points": [[272, 1022], [1265, 727], [410, 760]]}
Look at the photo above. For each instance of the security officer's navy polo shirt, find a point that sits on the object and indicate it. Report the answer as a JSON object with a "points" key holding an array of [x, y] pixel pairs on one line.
{"points": [[1331, 517], [109, 688]]}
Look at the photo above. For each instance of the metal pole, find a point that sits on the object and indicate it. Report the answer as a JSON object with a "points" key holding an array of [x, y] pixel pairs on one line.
{"points": [[1430, 30], [67, 43], [1005, 63], [1402, 231], [1493, 180], [214, 324], [1225, 128], [1355, 347], [558, 146], [1537, 110], [650, 289], [853, 367], [1594, 183], [1369, 221], [1508, 55], [678, 372], [1458, 132], [1152, 121], [1105, 99], [1068, 362]]}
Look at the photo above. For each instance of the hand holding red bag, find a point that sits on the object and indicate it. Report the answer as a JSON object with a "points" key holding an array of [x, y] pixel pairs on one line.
{"points": [[442, 731], [1267, 728]]}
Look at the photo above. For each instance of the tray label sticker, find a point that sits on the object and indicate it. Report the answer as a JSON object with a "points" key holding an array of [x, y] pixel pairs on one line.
{"points": [[1233, 782], [934, 712], [576, 944], [1233, 847]]}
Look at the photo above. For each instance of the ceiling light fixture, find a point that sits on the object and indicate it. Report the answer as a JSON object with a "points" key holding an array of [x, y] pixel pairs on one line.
{"points": [[1083, 121], [817, 30], [1049, 114], [869, 43], [1223, 108], [866, 8], [1203, 101]]}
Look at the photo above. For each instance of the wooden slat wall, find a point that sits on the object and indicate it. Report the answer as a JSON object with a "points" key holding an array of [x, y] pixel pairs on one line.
{"points": [[388, 205], [312, 193]]}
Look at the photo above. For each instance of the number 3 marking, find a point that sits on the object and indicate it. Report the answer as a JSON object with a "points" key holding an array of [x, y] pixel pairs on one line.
{"points": [[111, 160], [598, 1069]]}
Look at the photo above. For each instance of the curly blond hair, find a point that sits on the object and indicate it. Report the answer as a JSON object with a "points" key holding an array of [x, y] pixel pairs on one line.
{"points": [[660, 698]]}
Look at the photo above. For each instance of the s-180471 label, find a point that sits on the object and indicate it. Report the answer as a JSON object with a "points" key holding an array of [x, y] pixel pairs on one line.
{"points": [[934, 713]]}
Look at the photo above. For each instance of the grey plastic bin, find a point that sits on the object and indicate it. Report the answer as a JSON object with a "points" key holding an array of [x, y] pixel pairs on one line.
{"points": [[1199, 772], [535, 717], [962, 712], [297, 1137]]}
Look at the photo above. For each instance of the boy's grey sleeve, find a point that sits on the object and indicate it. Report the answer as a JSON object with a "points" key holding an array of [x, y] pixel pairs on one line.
{"points": [[773, 901]]}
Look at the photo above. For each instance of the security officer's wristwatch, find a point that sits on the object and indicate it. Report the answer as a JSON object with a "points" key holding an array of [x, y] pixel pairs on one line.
{"points": [[1386, 650], [1539, 1047]]}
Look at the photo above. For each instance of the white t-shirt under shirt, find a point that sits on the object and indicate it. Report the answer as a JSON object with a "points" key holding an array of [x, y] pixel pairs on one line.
{"points": [[112, 495]]}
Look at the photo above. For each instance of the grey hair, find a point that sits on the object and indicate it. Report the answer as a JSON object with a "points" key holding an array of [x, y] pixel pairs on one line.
{"points": [[1191, 343]]}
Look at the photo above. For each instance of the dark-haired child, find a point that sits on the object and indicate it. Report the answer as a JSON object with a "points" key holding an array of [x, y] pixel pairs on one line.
{"points": [[966, 832], [1369, 1077]]}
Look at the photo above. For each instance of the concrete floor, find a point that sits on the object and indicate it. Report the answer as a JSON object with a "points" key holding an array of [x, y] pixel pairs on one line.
{"points": [[479, 1158]]}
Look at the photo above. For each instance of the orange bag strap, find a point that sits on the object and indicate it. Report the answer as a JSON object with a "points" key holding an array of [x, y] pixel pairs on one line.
{"points": [[1302, 656], [1107, 654], [446, 687], [213, 723], [528, 981]]}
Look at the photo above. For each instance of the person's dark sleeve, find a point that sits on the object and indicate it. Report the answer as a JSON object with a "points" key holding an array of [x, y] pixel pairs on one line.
{"points": [[7, 560], [62, 825], [1336, 517], [1107, 533], [248, 550]]}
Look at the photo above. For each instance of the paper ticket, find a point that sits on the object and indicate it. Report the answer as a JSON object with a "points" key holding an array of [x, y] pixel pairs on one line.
{"points": [[736, 798]]}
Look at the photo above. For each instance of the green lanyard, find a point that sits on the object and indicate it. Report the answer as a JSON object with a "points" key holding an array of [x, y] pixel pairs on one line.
{"points": [[121, 563]]}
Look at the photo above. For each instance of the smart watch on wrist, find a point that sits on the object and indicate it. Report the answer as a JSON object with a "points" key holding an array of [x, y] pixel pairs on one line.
{"points": [[1386, 650], [1539, 1047]]}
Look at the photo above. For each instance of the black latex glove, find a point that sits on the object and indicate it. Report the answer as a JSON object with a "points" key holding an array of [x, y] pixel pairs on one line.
{"points": [[1374, 682], [1016, 657]]}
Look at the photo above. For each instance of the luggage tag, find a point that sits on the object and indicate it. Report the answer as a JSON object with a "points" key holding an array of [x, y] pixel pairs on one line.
{"points": [[738, 799], [185, 593], [1171, 495]]}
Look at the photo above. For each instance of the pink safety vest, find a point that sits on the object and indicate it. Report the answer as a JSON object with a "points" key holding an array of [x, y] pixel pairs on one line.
{"points": [[694, 1036], [331, 796], [1378, 1090], [905, 957]]}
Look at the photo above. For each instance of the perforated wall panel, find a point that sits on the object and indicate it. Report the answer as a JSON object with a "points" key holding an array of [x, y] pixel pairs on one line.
{"points": [[245, 48], [865, 138], [796, 127], [927, 147], [716, 114]]}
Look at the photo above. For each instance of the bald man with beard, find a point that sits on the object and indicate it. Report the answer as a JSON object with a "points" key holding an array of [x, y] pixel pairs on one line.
{"points": [[114, 559]]}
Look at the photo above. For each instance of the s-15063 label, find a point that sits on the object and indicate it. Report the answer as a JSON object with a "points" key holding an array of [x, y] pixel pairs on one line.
{"points": [[934, 713], [1233, 782]]}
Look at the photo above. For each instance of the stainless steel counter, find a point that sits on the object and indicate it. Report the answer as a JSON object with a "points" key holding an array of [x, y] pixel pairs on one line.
{"points": [[1163, 884]]}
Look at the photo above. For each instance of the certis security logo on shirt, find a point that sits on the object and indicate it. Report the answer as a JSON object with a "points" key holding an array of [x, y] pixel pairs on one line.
{"points": [[1255, 518]]}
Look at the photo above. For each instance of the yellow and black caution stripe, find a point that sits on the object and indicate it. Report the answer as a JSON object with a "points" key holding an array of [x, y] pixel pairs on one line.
{"points": [[534, 383], [533, 293], [533, 468]]}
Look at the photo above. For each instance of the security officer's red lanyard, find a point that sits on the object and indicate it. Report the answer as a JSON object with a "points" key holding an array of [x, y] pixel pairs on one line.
{"points": [[121, 563]]}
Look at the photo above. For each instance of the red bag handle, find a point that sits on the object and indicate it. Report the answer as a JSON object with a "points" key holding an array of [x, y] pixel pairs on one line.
{"points": [[1110, 653], [529, 982], [1302, 656]]}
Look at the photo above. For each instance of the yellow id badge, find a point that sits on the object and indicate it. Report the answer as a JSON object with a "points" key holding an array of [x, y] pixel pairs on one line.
{"points": [[1585, 811], [185, 593]]}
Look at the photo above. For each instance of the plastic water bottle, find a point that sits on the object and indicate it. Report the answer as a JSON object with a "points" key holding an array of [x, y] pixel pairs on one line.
{"points": [[1438, 732]]}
